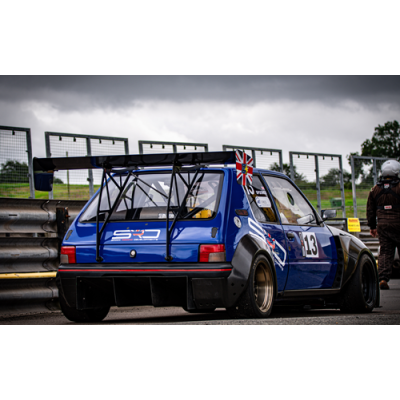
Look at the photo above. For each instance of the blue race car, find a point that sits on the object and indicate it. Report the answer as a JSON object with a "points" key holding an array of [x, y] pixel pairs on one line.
{"points": [[189, 230]]}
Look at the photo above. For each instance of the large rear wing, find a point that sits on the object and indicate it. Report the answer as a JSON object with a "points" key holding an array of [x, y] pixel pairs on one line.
{"points": [[44, 167]]}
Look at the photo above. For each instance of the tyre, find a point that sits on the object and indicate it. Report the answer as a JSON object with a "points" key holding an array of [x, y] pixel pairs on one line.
{"points": [[92, 315], [360, 293], [258, 297]]}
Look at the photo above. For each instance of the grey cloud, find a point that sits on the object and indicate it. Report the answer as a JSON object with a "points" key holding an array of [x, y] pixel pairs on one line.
{"points": [[90, 92]]}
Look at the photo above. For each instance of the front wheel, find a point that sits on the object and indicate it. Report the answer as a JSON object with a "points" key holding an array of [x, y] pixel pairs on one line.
{"points": [[361, 293], [75, 315], [258, 298]]}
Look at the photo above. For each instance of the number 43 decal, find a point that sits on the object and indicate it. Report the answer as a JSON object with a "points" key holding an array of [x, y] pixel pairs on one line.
{"points": [[309, 244]]}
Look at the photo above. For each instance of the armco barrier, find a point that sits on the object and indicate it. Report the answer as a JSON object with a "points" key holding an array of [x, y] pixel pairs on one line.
{"points": [[34, 216], [30, 236]]}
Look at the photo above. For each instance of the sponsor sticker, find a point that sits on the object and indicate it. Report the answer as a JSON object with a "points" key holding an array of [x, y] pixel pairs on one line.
{"points": [[263, 202], [129, 235], [353, 225]]}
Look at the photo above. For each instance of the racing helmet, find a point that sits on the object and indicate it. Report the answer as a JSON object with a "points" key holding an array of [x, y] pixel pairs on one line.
{"points": [[391, 168]]}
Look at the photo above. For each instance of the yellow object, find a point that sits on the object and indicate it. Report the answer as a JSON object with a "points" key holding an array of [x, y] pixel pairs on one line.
{"points": [[203, 214], [353, 225], [29, 275]]}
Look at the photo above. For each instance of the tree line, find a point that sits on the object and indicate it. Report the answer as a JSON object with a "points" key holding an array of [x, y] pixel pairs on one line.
{"points": [[385, 142], [14, 171]]}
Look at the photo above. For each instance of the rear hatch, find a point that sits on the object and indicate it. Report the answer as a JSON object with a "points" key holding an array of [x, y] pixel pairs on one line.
{"points": [[137, 230]]}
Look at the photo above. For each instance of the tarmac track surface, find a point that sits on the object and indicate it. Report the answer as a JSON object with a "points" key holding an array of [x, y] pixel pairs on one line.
{"points": [[387, 314]]}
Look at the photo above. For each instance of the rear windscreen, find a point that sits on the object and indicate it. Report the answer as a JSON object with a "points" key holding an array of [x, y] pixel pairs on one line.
{"points": [[146, 197]]}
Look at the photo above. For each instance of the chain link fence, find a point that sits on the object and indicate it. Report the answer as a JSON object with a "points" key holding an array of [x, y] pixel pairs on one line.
{"points": [[16, 172], [80, 184], [320, 177], [262, 157], [151, 147], [365, 173]]}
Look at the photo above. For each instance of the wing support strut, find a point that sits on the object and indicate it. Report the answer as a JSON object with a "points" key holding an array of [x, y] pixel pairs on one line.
{"points": [[111, 208]]}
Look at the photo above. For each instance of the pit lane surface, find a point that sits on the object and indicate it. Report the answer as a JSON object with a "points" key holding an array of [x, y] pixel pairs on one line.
{"points": [[387, 314]]}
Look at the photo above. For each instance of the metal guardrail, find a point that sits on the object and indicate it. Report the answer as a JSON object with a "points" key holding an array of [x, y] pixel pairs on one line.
{"points": [[23, 254], [364, 235], [339, 223], [31, 232], [34, 216]]}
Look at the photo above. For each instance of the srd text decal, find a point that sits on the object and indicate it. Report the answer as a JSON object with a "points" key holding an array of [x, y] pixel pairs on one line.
{"points": [[138, 234]]}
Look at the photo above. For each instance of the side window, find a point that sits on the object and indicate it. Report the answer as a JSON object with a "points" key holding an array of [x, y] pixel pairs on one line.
{"points": [[292, 207], [260, 202]]}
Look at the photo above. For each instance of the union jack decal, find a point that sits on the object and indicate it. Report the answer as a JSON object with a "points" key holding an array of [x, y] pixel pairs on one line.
{"points": [[244, 168]]}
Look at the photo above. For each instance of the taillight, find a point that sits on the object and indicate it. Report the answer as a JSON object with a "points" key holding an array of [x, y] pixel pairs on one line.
{"points": [[68, 255], [212, 253]]}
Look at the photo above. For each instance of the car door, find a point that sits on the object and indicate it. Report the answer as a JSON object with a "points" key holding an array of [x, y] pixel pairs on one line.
{"points": [[265, 224], [311, 248]]}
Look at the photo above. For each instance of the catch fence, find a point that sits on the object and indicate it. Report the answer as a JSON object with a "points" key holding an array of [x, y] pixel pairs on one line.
{"points": [[320, 177], [152, 147], [263, 157], [365, 172], [16, 171], [80, 184]]}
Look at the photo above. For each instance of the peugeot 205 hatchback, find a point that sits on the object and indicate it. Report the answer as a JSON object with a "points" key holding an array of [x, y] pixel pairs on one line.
{"points": [[189, 230]]}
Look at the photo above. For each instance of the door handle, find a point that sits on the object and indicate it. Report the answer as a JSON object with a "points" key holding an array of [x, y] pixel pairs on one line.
{"points": [[290, 235]]}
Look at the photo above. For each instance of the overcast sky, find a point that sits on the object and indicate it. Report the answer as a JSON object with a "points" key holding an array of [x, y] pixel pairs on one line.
{"points": [[326, 114]]}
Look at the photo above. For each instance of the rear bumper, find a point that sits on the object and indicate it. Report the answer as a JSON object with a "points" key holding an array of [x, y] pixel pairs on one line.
{"points": [[193, 286], [181, 269]]}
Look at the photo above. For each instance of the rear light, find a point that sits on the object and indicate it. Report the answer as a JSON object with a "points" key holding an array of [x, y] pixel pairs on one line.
{"points": [[68, 255], [212, 253]]}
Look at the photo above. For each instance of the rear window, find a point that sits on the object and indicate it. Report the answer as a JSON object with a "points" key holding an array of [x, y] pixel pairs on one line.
{"points": [[146, 197]]}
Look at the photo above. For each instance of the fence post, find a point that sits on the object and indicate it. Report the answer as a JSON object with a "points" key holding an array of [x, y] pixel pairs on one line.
{"points": [[48, 155], [318, 185], [62, 219], [90, 178], [30, 164], [126, 144], [291, 166], [281, 161], [353, 186], [253, 154], [342, 187]]}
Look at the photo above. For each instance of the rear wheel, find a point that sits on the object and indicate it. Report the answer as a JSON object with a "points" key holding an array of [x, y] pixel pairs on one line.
{"points": [[258, 298], [91, 315], [361, 292]]}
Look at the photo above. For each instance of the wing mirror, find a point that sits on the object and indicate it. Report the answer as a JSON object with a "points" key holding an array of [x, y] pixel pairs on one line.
{"points": [[328, 214]]}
